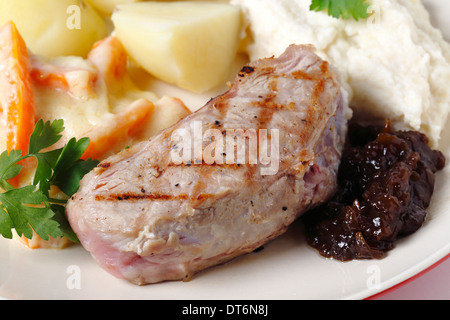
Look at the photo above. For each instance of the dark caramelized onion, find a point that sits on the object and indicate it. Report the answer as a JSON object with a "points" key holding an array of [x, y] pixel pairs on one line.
{"points": [[386, 181]]}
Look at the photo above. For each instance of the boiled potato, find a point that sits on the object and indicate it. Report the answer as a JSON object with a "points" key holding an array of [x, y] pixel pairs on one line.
{"points": [[55, 28], [107, 6], [189, 44]]}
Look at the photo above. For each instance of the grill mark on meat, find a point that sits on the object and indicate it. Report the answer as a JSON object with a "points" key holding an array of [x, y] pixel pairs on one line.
{"points": [[268, 103], [153, 196], [324, 67], [246, 70], [203, 163], [315, 103], [134, 196], [104, 165], [299, 74], [302, 75]]}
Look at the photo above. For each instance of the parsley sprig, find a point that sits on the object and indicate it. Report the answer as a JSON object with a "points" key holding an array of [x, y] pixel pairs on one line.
{"points": [[31, 208], [344, 9]]}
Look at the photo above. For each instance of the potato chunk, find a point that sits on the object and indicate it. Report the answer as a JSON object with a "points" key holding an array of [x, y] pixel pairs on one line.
{"points": [[107, 6], [188, 44], [55, 28]]}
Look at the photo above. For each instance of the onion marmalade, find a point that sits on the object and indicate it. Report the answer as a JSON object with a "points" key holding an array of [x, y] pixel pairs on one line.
{"points": [[385, 184]]}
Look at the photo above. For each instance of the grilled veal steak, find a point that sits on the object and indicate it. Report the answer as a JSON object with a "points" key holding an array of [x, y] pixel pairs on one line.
{"points": [[158, 211]]}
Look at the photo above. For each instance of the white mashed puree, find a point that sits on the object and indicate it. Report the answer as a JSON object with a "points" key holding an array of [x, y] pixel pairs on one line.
{"points": [[394, 64]]}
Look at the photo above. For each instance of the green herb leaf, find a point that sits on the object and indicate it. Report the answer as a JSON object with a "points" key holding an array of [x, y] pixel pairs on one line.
{"points": [[45, 135], [30, 208], [344, 9], [44, 170], [69, 169], [64, 226], [9, 167], [68, 180], [6, 224]]}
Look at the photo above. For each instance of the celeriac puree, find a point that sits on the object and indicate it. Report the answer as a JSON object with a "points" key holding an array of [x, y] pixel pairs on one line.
{"points": [[394, 64]]}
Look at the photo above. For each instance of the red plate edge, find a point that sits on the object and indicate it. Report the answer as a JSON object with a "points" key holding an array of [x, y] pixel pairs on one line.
{"points": [[401, 284]]}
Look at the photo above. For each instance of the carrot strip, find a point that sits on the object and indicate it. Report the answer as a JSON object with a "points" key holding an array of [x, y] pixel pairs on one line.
{"points": [[126, 125], [54, 80], [110, 58], [16, 98], [56, 77], [37, 242]]}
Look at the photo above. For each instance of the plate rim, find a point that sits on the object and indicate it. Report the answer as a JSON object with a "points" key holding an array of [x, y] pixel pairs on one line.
{"points": [[408, 280]]}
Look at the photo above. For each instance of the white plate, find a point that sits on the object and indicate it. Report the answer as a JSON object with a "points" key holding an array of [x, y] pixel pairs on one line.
{"points": [[287, 268]]}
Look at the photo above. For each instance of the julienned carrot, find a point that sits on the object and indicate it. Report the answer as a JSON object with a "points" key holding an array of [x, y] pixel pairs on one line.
{"points": [[54, 80], [44, 74], [37, 242], [110, 58], [16, 98], [122, 127]]}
